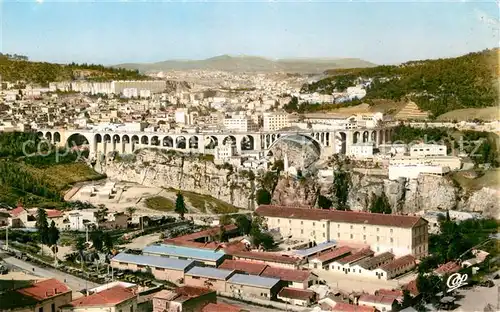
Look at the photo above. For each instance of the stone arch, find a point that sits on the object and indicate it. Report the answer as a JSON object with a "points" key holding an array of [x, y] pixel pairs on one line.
{"points": [[247, 143], [40, 134], [230, 139], [373, 136], [144, 140], [327, 139], [116, 138], [57, 137], [180, 142], [107, 138], [307, 139], [77, 139], [126, 139], [268, 140], [135, 139], [168, 141], [322, 138], [193, 142], [342, 138], [387, 136], [211, 142], [356, 136], [155, 141], [48, 136], [365, 136]]}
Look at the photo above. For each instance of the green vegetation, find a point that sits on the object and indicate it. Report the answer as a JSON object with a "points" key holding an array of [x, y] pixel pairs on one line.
{"points": [[263, 197], [437, 86], [180, 206], [260, 238], [160, 203], [20, 69], [202, 202], [324, 202], [380, 204], [407, 134], [341, 184]]}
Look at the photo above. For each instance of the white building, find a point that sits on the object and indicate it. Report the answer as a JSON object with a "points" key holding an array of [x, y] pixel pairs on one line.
{"points": [[412, 172], [240, 123], [357, 92], [224, 152], [273, 121], [130, 92], [79, 220], [428, 150], [361, 150], [398, 234], [452, 162], [181, 117]]}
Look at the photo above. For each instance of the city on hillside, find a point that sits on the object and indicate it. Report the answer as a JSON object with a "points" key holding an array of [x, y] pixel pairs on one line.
{"points": [[228, 182]]}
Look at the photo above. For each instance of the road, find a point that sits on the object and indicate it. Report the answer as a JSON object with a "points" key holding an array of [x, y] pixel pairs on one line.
{"points": [[75, 283]]}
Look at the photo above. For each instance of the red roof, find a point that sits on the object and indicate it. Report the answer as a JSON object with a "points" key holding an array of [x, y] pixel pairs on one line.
{"points": [[338, 216], [244, 266], [398, 263], [389, 292], [189, 240], [294, 293], [191, 291], [377, 299], [357, 256], [108, 297], [346, 307], [412, 288], [286, 274], [52, 213], [266, 256], [221, 307], [449, 267], [333, 254], [17, 211], [44, 289]]}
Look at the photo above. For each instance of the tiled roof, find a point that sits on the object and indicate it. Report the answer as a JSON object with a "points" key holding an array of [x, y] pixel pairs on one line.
{"points": [[346, 307], [294, 293], [287, 274], [17, 211], [338, 216], [357, 256], [52, 213], [412, 288], [398, 263], [221, 307], [449, 267], [243, 266], [108, 297], [370, 263], [44, 289], [377, 299], [389, 292], [333, 254], [266, 256]]}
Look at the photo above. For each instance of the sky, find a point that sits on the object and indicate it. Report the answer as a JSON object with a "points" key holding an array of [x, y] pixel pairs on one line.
{"points": [[110, 32]]}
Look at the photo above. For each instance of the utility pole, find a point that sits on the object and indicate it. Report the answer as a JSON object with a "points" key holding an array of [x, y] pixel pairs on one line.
{"points": [[7, 238]]}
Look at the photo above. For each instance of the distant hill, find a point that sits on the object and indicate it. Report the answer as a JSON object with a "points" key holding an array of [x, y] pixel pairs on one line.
{"points": [[17, 67], [437, 86], [251, 64]]}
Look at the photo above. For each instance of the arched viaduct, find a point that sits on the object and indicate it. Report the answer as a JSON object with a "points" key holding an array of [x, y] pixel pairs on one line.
{"points": [[331, 142]]}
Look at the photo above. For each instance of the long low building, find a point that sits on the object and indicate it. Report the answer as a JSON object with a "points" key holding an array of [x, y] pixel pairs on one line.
{"points": [[207, 257], [161, 267], [398, 234]]}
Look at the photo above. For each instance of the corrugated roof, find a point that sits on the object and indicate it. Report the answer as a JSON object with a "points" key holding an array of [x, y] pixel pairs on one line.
{"points": [[338, 216], [374, 262], [253, 280], [108, 297], [154, 261], [244, 266], [313, 250], [287, 274], [220, 274], [185, 252], [334, 254]]}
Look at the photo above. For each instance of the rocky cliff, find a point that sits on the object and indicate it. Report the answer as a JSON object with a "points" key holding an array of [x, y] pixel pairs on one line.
{"points": [[189, 173]]}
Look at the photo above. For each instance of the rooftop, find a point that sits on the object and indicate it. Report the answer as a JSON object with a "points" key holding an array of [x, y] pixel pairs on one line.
{"points": [[377, 299], [294, 293], [185, 252], [253, 280], [449, 267], [219, 274], [287, 274], [44, 289], [266, 256], [346, 307], [333, 254], [108, 297], [338, 216], [244, 266], [373, 262], [357, 256], [313, 250], [399, 262], [153, 261], [221, 307]]}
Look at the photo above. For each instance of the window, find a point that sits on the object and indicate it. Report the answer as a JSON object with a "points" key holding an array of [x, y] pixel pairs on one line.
{"points": [[278, 221], [392, 240], [314, 232], [132, 309], [351, 236], [338, 225], [378, 229], [364, 228], [364, 237], [324, 235], [289, 221], [378, 238], [391, 230], [359, 270], [301, 222], [160, 269], [314, 223], [338, 234], [351, 227], [301, 231], [323, 225], [195, 277], [53, 307]]}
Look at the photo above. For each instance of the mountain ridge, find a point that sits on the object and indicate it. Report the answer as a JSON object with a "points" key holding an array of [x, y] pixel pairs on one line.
{"points": [[248, 63]]}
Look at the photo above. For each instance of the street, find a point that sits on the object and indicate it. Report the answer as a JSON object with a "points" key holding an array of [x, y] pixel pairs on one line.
{"points": [[75, 283]]}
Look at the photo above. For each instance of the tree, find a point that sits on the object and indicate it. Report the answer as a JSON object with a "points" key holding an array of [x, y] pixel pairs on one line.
{"points": [[131, 210], [53, 236], [428, 286], [244, 224], [97, 240], [324, 202], [107, 242], [341, 182], [180, 206], [80, 247], [225, 219], [222, 236], [380, 204], [278, 165], [263, 197], [267, 241], [42, 226]]}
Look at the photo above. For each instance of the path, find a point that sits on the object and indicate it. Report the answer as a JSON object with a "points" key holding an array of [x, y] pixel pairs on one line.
{"points": [[73, 282]]}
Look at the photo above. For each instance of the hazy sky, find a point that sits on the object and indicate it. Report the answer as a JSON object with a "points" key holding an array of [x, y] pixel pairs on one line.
{"points": [[117, 32]]}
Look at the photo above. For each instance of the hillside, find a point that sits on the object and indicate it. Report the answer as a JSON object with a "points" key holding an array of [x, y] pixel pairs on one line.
{"points": [[250, 64], [438, 86], [19, 68]]}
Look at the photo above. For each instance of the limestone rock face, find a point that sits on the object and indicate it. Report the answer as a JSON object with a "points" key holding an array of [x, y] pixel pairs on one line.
{"points": [[189, 173], [362, 189], [430, 193], [295, 192], [485, 200]]}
